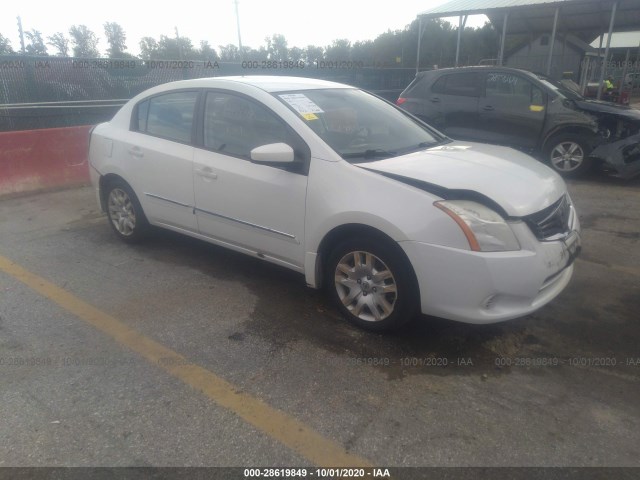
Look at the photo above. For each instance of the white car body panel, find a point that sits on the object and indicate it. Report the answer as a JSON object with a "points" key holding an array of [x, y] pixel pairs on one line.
{"points": [[283, 217], [245, 221]]}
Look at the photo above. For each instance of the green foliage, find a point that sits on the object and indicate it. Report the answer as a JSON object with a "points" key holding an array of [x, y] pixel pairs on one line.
{"points": [[5, 45], [397, 48], [36, 44], [229, 53], [339, 50], [277, 47], [207, 52], [116, 38], [60, 43], [85, 42]]}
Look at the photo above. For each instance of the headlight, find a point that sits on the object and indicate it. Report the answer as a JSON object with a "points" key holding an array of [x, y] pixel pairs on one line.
{"points": [[485, 230]]}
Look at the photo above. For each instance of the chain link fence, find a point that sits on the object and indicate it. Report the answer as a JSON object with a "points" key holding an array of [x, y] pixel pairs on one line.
{"points": [[47, 92]]}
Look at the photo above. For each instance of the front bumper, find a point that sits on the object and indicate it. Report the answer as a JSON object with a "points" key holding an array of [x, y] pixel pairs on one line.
{"points": [[489, 287], [622, 155]]}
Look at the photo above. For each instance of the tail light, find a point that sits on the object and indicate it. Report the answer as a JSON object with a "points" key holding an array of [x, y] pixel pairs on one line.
{"points": [[400, 101]]}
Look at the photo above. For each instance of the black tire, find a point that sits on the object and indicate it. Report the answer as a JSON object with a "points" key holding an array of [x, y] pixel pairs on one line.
{"points": [[568, 154], [124, 212], [350, 293]]}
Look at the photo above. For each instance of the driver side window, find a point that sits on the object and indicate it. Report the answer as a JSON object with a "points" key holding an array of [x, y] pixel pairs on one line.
{"points": [[234, 125]]}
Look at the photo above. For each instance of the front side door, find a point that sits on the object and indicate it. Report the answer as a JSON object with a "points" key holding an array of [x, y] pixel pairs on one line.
{"points": [[159, 155], [512, 111], [252, 206]]}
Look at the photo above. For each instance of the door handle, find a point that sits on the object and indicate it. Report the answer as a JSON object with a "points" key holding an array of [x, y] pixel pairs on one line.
{"points": [[435, 100], [488, 108], [135, 152], [206, 172]]}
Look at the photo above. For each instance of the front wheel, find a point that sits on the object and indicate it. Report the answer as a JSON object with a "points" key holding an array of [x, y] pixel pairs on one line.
{"points": [[372, 284], [568, 154]]}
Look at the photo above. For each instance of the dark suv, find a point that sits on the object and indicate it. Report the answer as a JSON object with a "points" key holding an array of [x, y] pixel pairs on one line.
{"points": [[526, 111]]}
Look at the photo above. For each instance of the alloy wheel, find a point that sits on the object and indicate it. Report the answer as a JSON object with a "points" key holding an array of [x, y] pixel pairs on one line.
{"points": [[365, 286]]}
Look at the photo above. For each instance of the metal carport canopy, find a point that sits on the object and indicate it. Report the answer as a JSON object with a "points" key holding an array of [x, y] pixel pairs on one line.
{"points": [[587, 17], [590, 17]]}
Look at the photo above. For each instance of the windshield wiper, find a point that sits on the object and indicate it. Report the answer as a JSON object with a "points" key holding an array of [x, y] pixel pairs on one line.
{"points": [[369, 154]]}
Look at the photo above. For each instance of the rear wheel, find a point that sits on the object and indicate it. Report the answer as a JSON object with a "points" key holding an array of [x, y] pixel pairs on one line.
{"points": [[125, 212], [568, 154], [372, 284]]}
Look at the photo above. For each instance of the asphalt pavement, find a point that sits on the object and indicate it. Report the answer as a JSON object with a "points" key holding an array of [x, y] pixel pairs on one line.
{"points": [[179, 353]]}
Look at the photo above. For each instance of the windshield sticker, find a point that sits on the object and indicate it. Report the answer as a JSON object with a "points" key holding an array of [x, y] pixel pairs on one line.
{"points": [[310, 116], [301, 103]]}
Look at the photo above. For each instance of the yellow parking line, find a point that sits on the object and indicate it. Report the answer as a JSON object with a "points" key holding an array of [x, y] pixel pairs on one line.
{"points": [[287, 430]]}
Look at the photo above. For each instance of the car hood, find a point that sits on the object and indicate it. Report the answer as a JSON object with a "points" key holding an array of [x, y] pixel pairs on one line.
{"points": [[594, 106], [514, 181]]}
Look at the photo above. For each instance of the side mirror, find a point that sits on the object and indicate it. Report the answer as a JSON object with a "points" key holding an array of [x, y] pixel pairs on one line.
{"points": [[273, 153]]}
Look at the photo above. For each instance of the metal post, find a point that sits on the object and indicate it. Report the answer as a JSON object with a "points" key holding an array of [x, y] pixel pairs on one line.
{"points": [[461, 24], [553, 40], [238, 27], [624, 74], [419, 42], [504, 35], [606, 50]]}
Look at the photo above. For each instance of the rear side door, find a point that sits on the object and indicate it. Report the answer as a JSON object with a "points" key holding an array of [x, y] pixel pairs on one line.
{"points": [[512, 110], [159, 154], [251, 206], [453, 99]]}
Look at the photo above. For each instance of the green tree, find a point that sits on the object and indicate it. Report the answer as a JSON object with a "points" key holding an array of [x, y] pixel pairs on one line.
{"points": [[170, 48], [60, 43], [277, 47], [339, 50], [313, 53], [116, 38], [148, 48], [207, 52], [36, 44], [85, 42], [229, 53], [363, 51], [296, 54], [5, 45]]}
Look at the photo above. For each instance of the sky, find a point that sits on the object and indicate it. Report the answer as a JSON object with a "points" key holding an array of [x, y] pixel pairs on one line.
{"points": [[301, 22]]}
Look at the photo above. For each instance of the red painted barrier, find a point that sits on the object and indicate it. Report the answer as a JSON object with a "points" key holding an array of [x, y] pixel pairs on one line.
{"points": [[43, 159]]}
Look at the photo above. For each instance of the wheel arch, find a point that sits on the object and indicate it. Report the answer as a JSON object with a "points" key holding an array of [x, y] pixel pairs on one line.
{"points": [[346, 231], [102, 184], [569, 130]]}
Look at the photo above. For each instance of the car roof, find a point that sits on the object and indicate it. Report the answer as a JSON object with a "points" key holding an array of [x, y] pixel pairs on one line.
{"points": [[478, 68], [268, 83]]}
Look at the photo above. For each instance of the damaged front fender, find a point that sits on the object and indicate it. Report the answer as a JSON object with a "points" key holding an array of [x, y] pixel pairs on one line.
{"points": [[622, 155]]}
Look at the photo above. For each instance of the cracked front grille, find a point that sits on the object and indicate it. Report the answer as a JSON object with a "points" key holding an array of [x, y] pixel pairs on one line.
{"points": [[551, 221]]}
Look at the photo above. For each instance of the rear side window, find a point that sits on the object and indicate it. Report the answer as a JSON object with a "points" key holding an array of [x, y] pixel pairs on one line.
{"points": [[465, 84], [417, 88], [168, 116]]}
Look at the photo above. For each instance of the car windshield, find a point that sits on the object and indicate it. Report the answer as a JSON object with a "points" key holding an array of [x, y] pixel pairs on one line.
{"points": [[359, 126]]}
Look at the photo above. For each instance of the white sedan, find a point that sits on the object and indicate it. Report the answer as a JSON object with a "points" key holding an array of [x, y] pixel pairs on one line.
{"points": [[332, 182]]}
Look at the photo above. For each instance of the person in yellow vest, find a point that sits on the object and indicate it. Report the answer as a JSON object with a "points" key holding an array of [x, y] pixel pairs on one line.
{"points": [[608, 88]]}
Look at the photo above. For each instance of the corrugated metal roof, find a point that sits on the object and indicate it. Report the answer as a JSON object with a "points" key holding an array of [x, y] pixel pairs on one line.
{"points": [[455, 7], [589, 18]]}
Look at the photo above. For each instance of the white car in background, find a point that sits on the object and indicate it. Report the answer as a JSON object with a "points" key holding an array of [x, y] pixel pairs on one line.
{"points": [[332, 182]]}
